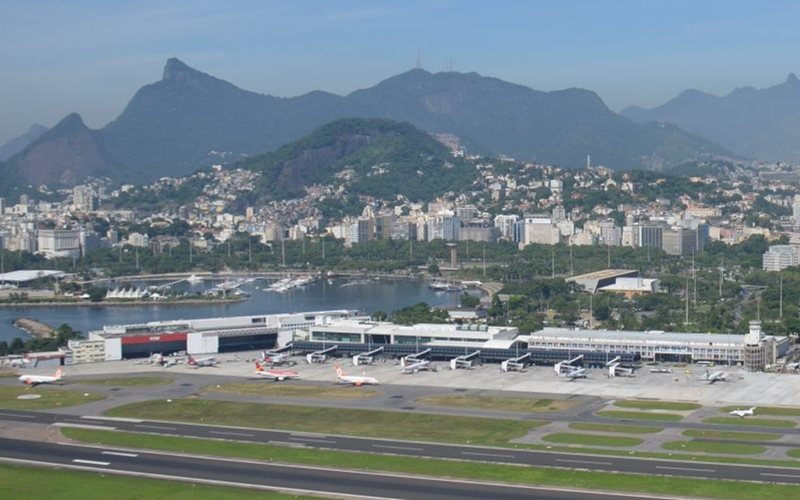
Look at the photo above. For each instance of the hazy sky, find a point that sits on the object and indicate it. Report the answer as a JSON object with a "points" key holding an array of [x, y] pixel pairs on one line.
{"points": [[91, 56]]}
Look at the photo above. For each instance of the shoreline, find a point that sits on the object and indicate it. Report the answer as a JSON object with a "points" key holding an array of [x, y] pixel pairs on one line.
{"points": [[188, 302]]}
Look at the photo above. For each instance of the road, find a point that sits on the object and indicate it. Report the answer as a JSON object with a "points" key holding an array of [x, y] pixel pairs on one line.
{"points": [[297, 479], [419, 449]]}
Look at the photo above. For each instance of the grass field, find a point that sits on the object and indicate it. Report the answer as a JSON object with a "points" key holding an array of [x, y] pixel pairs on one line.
{"points": [[56, 484], [794, 453], [126, 381], [498, 403], [287, 390], [633, 483], [706, 447], [737, 436], [372, 423], [774, 411], [754, 422], [50, 398], [592, 439], [623, 429], [639, 415], [656, 405]]}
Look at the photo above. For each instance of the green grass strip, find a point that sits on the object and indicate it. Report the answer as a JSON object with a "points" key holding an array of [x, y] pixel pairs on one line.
{"points": [[370, 423], [499, 403], [656, 405], [592, 439], [754, 422], [633, 483], [711, 447], [17, 481], [639, 415], [794, 453], [51, 397], [775, 411], [737, 436], [622, 429], [262, 388]]}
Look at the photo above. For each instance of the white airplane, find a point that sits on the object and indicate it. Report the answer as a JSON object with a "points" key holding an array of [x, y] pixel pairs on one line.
{"points": [[416, 366], [744, 413], [716, 377], [35, 380], [275, 358], [575, 374], [197, 363], [355, 380], [275, 374]]}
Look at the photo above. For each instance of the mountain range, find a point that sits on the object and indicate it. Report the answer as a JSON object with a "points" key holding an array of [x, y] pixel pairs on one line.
{"points": [[754, 123], [189, 119], [19, 143]]}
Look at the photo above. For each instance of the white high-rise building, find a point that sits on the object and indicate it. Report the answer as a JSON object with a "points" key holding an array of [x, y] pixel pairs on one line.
{"points": [[59, 243], [779, 257]]}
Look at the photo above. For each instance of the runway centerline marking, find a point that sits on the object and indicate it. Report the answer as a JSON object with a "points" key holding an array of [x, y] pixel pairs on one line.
{"points": [[794, 476], [90, 462], [477, 454], [311, 439], [119, 454], [593, 462], [390, 447], [225, 433], [159, 427], [693, 469]]}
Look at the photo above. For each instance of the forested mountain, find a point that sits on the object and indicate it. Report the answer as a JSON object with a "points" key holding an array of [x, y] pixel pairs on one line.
{"points": [[189, 120], [755, 123], [19, 143]]}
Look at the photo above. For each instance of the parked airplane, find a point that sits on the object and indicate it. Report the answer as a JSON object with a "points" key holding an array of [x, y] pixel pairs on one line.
{"points": [[35, 380], [275, 374], [412, 366], [354, 379], [276, 358], [716, 377], [744, 413], [197, 363], [574, 374]]}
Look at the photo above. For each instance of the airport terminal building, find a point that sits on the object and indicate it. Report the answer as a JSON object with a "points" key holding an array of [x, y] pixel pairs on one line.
{"points": [[197, 336]]}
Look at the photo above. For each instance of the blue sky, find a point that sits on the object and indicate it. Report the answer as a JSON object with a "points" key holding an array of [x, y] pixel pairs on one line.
{"points": [[91, 56]]}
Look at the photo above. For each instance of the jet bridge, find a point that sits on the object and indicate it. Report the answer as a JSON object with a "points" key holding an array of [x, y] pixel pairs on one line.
{"points": [[366, 358], [615, 370], [321, 355], [465, 361], [516, 364], [567, 366]]}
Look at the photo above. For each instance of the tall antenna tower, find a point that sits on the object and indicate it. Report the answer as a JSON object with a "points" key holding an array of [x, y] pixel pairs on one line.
{"points": [[419, 58], [588, 162]]}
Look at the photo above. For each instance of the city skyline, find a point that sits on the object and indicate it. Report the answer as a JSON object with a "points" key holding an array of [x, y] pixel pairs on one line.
{"points": [[91, 58]]}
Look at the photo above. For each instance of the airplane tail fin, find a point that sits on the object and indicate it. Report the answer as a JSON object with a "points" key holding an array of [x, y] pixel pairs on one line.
{"points": [[191, 360], [339, 372], [59, 372], [259, 368]]}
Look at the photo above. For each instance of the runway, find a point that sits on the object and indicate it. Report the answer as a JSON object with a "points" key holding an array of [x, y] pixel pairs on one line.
{"points": [[294, 479], [419, 449]]}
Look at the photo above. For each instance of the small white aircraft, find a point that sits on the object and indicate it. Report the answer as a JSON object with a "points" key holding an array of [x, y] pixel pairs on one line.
{"points": [[355, 380], [34, 380], [744, 413], [575, 374], [415, 366], [716, 377], [275, 374], [197, 363]]}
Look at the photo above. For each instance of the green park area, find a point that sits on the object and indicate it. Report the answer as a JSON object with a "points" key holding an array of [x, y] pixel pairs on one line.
{"points": [[48, 397]]}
